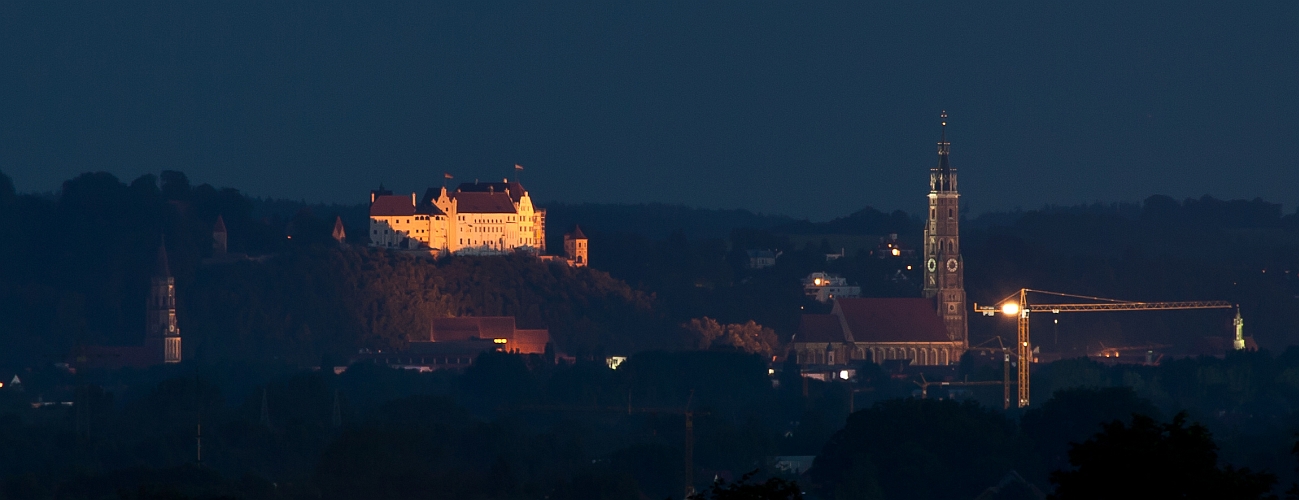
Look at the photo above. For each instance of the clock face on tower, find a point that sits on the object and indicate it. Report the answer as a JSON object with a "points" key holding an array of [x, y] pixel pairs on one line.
{"points": [[951, 265], [932, 265]]}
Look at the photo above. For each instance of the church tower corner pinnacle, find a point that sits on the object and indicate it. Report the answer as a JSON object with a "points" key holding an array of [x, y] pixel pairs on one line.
{"points": [[944, 269]]}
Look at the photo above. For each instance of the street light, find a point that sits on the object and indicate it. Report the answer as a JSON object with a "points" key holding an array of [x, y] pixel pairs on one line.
{"points": [[1010, 309]]}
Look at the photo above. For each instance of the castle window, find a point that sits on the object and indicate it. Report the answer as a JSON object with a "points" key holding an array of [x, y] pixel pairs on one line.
{"points": [[949, 213]]}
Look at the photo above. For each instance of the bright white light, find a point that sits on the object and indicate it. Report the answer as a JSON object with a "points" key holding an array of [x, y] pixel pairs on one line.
{"points": [[1010, 309], [843, 374], [896, 252]]}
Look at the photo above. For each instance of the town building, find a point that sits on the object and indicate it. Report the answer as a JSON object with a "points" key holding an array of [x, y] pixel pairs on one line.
{"points": [[931, 330], [455, 343], [824, 287], [891, 247], [502, 331], [760, 259]]}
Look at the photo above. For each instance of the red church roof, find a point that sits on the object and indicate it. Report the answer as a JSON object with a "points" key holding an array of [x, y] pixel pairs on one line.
{"points": [[819, 328], [892, 320], [875, 320]]}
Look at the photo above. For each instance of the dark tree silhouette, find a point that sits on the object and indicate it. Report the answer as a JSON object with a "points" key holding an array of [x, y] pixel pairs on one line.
{"points": [[746, 489], [1149, 459]]}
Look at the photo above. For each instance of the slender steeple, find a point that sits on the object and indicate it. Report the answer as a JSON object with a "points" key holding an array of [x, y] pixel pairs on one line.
{"points": [[161, 334], [161, 268], [943, 177]]}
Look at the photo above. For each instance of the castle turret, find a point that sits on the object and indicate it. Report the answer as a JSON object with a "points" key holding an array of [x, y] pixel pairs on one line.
{"points": [[575, 247], [162, 335], [339, 234]]}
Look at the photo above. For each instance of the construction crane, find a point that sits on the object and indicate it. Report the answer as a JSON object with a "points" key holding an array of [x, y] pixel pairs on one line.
{"points": [[1006, 373], [1017, 305]]}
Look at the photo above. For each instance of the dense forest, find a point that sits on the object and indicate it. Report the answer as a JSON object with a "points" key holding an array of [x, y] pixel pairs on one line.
{"points": [[670, 288]]}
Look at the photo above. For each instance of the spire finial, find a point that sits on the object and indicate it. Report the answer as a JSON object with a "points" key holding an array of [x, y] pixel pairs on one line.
{"points": [[161, 268]]}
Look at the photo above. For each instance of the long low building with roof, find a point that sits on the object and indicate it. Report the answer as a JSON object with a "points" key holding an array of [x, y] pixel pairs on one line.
{"points": [[475, 218], [876, 330]]}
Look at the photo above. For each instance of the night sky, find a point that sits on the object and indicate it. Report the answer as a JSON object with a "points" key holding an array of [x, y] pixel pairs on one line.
{"points": [[811, 109]]}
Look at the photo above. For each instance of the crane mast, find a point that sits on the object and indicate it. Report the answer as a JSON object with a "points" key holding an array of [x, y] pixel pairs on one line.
{"points": [[1017, 305]]}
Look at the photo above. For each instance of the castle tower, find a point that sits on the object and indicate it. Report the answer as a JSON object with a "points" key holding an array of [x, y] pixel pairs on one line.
{"points": [[339, 234], [162, 336], [219, 241], [575, 247], [944, 279]]}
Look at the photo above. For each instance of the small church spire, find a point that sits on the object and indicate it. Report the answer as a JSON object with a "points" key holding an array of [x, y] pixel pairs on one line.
{"points": [[162, 269]]}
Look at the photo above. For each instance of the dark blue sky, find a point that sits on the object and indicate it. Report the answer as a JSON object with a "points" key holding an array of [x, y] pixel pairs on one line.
{"points": [[802, 108]]}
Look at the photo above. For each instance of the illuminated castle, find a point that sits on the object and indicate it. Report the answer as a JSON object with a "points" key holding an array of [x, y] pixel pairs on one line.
{"points": [[475, 218], [478, 218]]}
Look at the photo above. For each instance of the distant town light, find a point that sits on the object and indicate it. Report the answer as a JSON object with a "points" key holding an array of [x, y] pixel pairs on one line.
{"points": [[500, 341], [1010, 309], [896, 252], [843, 374], [817, 281]]}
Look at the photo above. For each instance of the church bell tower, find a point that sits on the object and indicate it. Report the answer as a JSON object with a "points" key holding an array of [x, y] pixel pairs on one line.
{"points": [[162, 335], [944, 279]]}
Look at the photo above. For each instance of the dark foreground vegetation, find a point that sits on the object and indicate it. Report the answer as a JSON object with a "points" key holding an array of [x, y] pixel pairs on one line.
{"points": [[515, 427]]}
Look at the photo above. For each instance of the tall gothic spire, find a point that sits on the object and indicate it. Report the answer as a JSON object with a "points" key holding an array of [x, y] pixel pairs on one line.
{"points": [[162, 269], [943, 177]]}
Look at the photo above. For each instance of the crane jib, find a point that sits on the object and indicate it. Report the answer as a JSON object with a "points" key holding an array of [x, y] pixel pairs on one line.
{"points": [[1129, 306]]}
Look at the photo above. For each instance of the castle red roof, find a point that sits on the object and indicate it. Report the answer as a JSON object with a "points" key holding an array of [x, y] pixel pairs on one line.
{"points": [[483, 202], [515, 189], [390, 206]]}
